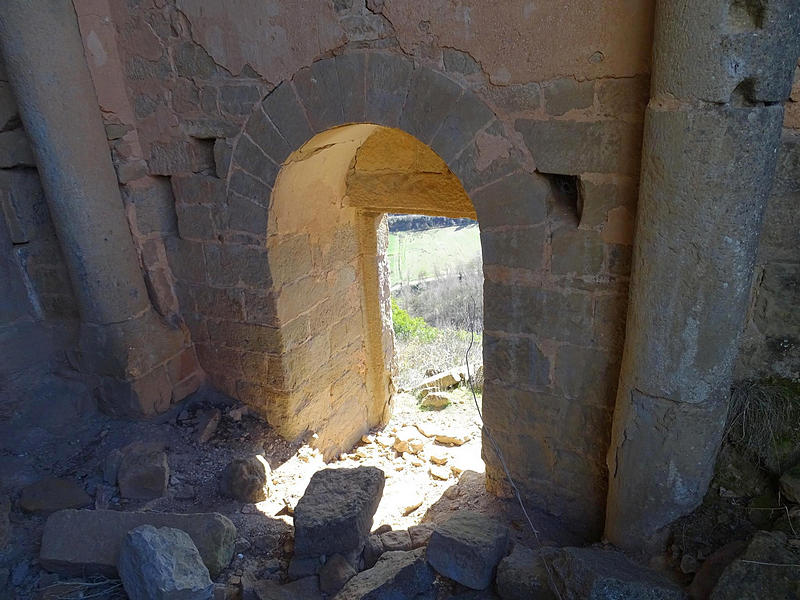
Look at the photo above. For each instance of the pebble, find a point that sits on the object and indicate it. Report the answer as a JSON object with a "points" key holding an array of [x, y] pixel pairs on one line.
{"points": [[439, 472]]}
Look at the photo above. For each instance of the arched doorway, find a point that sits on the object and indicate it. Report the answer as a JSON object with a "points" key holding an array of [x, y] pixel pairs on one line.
{"points": [[326, 248]]}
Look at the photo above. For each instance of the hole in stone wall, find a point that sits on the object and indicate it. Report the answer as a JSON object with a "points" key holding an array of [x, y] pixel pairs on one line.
{"points": [[743, 94], [744, 15], [567, 193]]}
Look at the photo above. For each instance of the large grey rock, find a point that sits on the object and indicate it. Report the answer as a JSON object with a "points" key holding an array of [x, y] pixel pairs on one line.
{"points": [[598, 574], [244, 479], [467, 548], [143, 471], [522, 575], [162, 564], [335, 513], [764, 577], [78, 542], [396, 576], [51, 494]]}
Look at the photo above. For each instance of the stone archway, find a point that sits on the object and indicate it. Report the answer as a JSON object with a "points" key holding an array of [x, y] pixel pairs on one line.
{"points": [[551, 422]]}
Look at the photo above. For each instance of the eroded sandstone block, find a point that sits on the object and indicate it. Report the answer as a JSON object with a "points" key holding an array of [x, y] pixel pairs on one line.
{"points": [[244, 479]]}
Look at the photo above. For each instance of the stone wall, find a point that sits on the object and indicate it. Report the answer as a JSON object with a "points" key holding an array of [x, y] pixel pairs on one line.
{"points": [[499, 95], [37, 309], [770, 346]]}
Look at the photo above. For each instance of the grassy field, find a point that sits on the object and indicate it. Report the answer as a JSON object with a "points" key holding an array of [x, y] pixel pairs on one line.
{"points": [[421, 255]]}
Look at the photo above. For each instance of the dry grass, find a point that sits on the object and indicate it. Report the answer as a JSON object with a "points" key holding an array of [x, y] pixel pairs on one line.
{"points": [[418, 357], [764, 421]]}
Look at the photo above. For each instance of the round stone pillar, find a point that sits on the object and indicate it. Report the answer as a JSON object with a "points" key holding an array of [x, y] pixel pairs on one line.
{"points": [[721, 71], [122, 339]]}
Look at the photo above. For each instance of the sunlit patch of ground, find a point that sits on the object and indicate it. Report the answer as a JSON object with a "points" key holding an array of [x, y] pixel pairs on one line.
{"points": [[409, 479]]}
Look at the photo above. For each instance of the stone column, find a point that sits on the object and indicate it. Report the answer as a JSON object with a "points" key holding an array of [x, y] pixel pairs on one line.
{"points": [[721, 71], [121, 338]]}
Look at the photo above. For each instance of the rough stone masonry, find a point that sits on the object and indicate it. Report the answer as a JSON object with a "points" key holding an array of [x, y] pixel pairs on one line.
{"points": [[158, 218]]}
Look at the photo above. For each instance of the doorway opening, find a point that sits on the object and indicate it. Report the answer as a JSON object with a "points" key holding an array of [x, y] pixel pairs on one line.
{"points": [[329, 248]]}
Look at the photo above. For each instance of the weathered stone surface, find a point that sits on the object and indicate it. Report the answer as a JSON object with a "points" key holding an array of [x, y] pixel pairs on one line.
{"points": [[712, 568], [78, 542], [143, 471], [8, 106], [334, 574], [564, 95], [767, 576], [456, 61], [265, 589], [320, 92], [597, 573], [396, 540], [518, 199], [373, 549], [267, 137], [388, 78], [15, 149], [467, 549], [245, 479], [574, 147], [300, 568], [431, 96], [522, 575], [335, 513], [436, 400], [162, 564], [5, 523], [460, 126], [440, 381], [395, 575], [420, 534], [351, 70], [51, 494], [287, 114]]}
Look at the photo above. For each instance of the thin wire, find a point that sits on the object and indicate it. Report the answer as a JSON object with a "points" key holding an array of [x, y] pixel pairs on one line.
{"points": [[500, 456]]}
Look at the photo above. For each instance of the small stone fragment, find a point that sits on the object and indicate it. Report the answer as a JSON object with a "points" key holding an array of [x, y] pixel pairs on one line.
{"points": [[408, 440], [413, 505], [373, 549], [51, 494], [396, 540], [207, 426], [162, 564], [467, 548], [438, 457], [245, 479], [436, 400], [143, 471], [451, 438], [334, 574], [420, 534], [439, 472]]}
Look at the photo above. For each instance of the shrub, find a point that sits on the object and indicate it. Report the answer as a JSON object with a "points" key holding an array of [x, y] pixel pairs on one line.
{"points": [[408, 327]]}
